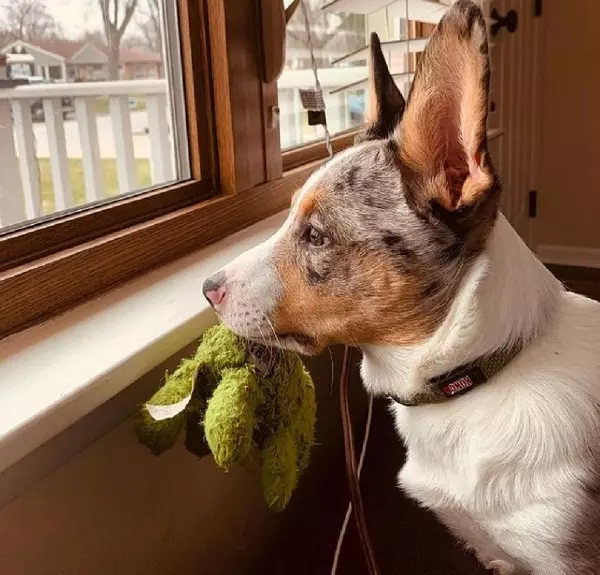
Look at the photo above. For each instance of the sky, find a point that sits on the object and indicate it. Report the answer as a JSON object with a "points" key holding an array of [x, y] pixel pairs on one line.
{"points": [[75, 16], [78, 16]]}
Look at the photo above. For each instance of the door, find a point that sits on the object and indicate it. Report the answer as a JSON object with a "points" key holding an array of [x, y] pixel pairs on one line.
{"points": [[514, 121]]}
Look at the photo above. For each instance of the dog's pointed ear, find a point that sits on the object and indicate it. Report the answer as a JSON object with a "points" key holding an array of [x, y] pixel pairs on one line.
{"points": [[386, 103], [442, 138]]}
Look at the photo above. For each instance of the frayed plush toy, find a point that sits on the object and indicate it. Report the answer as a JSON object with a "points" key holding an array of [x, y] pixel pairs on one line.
{"points": [[243, 394]]}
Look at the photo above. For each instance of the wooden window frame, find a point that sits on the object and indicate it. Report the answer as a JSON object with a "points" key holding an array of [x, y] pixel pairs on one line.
{"points": [[37, 240], [314, 151], [50, 267]]}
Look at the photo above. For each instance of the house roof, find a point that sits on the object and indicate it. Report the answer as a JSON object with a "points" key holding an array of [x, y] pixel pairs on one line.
{"points": [[66, 49]]}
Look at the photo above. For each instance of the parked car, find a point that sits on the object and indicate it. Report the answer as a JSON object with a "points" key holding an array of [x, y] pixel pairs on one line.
{"points": [[37, 108]]}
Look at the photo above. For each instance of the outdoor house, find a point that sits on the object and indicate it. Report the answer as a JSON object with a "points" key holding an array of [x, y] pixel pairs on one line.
{"points": [[66, 60]]}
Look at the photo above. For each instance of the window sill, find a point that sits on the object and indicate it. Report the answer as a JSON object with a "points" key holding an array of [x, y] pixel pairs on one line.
{"points": [[53, 374]]}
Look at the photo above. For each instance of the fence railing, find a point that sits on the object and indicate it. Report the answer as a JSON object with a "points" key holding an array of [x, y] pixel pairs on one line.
{"points": [[19, 169]]}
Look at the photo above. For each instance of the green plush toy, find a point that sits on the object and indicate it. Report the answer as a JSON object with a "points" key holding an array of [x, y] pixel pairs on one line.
{"points": [[243, 394]]}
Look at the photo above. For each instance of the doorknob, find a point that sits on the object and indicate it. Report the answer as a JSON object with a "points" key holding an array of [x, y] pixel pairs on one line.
{"points": [[511, 21]]}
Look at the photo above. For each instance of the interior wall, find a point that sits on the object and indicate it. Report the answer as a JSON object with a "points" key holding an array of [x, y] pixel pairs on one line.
{"points": [[114, 509], [569, 195]]}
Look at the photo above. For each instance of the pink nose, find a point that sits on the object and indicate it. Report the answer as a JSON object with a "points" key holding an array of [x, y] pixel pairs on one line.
{"points": [[216, 296]]}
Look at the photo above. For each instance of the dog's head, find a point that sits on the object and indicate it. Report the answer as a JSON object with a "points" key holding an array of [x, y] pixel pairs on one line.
{"points": [[378, 239]]}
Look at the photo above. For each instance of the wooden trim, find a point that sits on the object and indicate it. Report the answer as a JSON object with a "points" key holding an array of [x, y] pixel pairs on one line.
{"points": [[222, 101], [37, 291], [271, 112], [241, 99], [272, 27], [242, 23], [29, 244], [317, 151], [197, 81], [33, 240]]}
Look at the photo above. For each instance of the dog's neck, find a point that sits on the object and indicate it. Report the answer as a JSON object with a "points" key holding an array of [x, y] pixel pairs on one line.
{"points": [[506, 298]]}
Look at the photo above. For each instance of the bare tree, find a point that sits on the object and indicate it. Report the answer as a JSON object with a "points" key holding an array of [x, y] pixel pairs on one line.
{"points": [[148, 22], [29, 20], [116, 16], [96, 37], [4, 37]]}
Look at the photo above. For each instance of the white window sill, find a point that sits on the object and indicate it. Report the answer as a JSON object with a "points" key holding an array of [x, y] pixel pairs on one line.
{"points": [[53, 374]]}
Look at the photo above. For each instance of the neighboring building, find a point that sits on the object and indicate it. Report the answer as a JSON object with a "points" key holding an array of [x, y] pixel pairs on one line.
{"points": [[137, 64], [66, 60]]}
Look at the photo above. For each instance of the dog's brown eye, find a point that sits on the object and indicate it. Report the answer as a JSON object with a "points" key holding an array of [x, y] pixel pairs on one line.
{"points": [[315, 237]]}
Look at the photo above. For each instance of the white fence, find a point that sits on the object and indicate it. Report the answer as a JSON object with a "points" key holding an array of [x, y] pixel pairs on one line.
{"points": [[18, 154], [86, 135]]}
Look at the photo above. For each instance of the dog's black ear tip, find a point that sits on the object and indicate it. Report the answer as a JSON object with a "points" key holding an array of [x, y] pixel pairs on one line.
{"points": [[375, 42]]}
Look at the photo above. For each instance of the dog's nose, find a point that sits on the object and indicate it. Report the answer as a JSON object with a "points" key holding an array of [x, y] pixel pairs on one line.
{"points": [[214, 288]]}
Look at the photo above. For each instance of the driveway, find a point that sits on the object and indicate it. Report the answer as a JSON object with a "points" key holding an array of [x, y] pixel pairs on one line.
{"points": [[141, 141]]}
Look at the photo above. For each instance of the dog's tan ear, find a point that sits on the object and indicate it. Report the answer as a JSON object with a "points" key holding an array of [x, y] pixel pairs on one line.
{"points": [[386, 103], [442, 138]]}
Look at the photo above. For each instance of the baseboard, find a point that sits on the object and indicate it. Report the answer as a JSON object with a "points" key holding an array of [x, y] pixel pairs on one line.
{"points": [[569, 256]]}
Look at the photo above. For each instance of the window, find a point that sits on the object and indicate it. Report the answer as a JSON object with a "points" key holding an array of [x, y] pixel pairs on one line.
{"points": [[340, 32], [68, 145], [333, 37]]}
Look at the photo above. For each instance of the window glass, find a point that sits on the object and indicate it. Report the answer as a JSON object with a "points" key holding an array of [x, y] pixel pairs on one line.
{"points": [[87, 93]]}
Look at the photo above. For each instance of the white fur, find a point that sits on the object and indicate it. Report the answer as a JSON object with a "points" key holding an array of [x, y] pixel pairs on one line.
{"points": [[502, 466]]}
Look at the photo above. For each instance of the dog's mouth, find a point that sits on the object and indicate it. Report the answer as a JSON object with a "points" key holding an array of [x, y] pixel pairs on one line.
{"points": [[293, 341]]}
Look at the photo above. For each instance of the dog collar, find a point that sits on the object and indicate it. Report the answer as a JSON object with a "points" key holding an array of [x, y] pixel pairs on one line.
{"points": [[462, 379]]}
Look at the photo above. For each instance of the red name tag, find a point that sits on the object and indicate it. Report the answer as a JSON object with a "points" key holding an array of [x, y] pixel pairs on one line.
{"points": [[454, 387]]}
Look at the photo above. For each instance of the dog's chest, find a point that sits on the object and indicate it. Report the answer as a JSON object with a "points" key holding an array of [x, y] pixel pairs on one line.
{"points": [[452, 462], [440, 470]]}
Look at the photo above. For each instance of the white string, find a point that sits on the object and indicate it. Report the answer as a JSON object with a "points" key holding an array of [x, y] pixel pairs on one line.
{"points": [[363, 451], [315, 73]]}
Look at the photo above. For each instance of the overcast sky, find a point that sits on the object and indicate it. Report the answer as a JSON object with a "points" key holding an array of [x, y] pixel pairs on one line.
{"points": [[75, 16], [78, 16]]}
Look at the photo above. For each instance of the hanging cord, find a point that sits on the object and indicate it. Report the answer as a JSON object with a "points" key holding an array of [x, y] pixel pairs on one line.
{"points": [[352, 471], [361, 459], [313, 63]]}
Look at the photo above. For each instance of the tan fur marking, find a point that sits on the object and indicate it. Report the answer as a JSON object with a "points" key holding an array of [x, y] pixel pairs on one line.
{"points": [[449, 95], [391, 314], [373, 105], [309, 202]]}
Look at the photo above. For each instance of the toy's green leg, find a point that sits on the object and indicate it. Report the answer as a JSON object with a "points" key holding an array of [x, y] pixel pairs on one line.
{"points": [[286, 451], [279, 473], [158, 436], [303, 423], [230, 419], [161, 435], [303, 428]]}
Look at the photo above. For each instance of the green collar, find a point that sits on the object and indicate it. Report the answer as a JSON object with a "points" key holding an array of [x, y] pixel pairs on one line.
{"points": [[462, 379]]}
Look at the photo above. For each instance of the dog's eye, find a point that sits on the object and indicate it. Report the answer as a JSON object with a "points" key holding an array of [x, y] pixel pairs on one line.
{"points": [[316, 238]]}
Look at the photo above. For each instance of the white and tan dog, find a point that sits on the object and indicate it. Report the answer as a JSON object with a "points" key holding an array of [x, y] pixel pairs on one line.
{"points": [[397, 246]]}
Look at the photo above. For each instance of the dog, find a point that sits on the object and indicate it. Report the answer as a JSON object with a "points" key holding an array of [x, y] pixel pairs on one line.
{"points": [[397, 246]]}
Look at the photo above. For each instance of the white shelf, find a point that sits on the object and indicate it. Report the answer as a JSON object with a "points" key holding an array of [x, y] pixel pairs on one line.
{"points": [[364, 83], [388, 48], [419, 10]]}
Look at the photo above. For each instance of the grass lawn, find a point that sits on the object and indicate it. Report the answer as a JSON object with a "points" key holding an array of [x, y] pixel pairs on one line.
{"points": [[102, 104], [109, 170]]}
